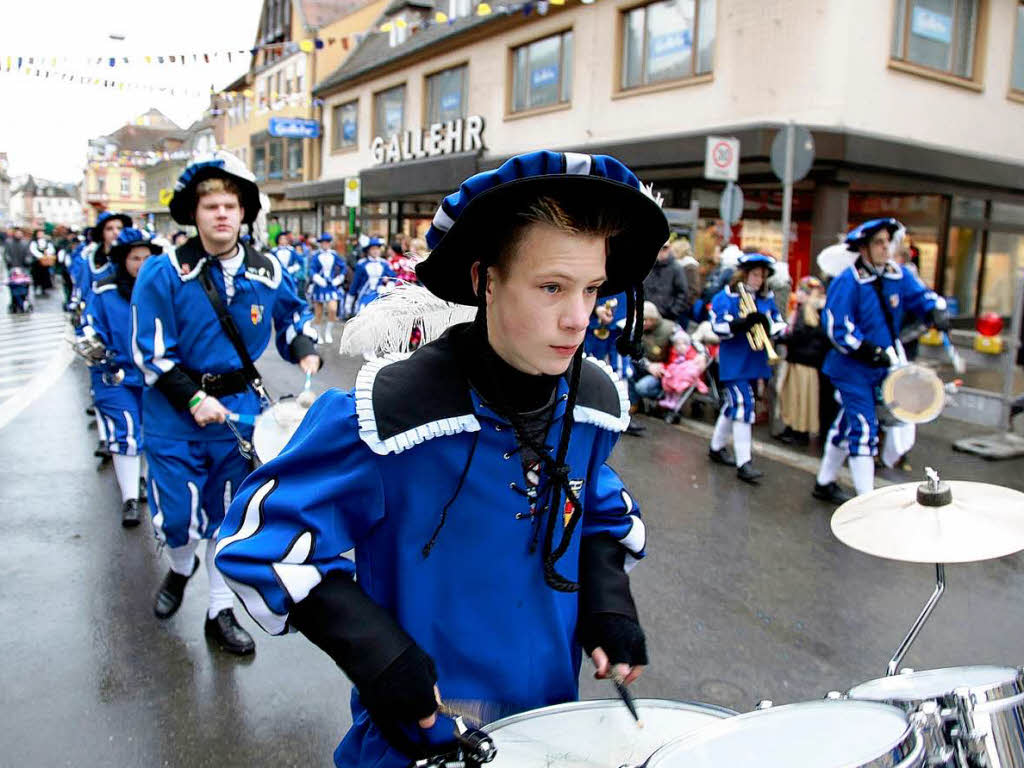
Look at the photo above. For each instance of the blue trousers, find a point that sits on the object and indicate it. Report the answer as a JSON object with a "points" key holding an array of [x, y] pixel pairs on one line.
{"points": [[605, 349], [191, 483], [739, 400], [856, 423], [120, 408]]}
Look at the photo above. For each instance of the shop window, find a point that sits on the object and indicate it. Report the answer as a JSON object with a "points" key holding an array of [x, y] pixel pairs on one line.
{"points": [[542, 73], [275, 160], [939, 35], [1007, 213], [294, 158], [1017, 72], [345, 125], [1004, 258], [142, 187], [126, 184], [963, 258], [389, 111], [259, 163], [446, 95], [967, 208], [658, 42]]}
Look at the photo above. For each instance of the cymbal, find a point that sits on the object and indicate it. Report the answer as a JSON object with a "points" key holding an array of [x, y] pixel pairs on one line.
{"points": [[981, 522]]}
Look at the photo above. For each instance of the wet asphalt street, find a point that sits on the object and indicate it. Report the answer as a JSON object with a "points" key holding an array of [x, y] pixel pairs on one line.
{"points": [[745, 595]]}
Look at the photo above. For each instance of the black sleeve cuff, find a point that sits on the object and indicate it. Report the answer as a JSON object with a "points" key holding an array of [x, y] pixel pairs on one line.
{"points": [[302, 346], [178, 387], [342, 620], [604, 583]]}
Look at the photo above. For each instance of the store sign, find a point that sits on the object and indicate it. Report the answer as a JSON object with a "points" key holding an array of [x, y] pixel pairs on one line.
{"points": [[932, 25], [352, 192], [293, 128], [449, 137]]}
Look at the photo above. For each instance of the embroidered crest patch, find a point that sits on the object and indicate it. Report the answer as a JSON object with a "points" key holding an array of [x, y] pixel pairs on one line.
{"points": [[577, 487], [256, 313]]}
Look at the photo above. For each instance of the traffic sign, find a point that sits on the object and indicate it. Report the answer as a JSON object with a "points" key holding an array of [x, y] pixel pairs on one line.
{"points": [[352, 192], [803, 153], [730, 207], [722, 159]]}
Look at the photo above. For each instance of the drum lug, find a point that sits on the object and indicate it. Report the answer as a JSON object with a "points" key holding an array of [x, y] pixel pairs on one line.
{"points": [[928, 721]]}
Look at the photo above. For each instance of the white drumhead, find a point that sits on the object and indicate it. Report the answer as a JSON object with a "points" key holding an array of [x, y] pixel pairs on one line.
{"points": [[275, 427], [932, 683], [823, 734], [595, 734]]}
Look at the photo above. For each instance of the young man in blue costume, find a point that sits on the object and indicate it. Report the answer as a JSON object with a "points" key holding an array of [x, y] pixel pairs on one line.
{"points": [[739, 365], [119, 400], [196, 376], [492, 540], [863, 314]]}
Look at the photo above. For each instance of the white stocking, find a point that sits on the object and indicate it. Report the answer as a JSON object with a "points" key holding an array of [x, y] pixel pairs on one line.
{"points": [[721, 434], [831, 463], [863, 470], [127, 469], [741, 442], [221, 596], [182, 558]]}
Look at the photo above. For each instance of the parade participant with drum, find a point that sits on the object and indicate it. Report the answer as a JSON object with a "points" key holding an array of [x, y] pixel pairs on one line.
{"points": [[741, 360], [370, 273], [200, 315], [491, 538], [862, 316], [117, 383], [327, 271]]}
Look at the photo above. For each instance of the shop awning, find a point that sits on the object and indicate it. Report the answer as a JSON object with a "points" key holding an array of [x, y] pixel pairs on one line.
{"points": [[326, 189], [435, 176]]}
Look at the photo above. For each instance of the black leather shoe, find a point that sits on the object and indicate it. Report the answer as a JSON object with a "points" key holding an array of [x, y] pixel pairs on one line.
{"points": [[101, 451], [635, 429], [831, 492], [748, 474], [130, 513], [228, 634], [721, 456], [143, 496], [90, 411], [787, 436], [168, 597]]}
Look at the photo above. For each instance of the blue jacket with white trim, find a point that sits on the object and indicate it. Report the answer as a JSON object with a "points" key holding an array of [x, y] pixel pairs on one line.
{"points": [[853, 315], [109, 315], [330, 274], [292, 260], [366, 279], [736, 360], [174, 325], [371, 470]]}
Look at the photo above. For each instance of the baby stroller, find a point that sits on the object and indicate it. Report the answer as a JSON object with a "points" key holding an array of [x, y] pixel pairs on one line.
{"points": [[711, 397], [20, 286]]}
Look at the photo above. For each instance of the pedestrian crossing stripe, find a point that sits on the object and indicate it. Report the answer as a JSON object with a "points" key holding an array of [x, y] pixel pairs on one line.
{"points": [[33, 353]]}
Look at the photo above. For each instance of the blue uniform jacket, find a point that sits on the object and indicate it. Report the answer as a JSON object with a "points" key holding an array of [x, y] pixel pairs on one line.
{"points": [[366, 279], [293, 261], [853, 316], [372, 469], [109, 315], [618, 305], [736, 360], [331, 275], [173, 323]]}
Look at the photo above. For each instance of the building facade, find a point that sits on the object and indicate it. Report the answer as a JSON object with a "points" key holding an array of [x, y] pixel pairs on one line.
{"points": [[34, 203], [268, 114], [916, 109]]}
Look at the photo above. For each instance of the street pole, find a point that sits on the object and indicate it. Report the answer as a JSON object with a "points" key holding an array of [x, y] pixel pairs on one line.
{"points": [[1010, 364], [727, 205], [787, 191]]}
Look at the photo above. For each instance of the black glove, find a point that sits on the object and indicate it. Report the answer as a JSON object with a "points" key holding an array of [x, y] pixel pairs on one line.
{"points": [[608, 618], [394, 676], [873, 356], [743, 324], [940, 319]]}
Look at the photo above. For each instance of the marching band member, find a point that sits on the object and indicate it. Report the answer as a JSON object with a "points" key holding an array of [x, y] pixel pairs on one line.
{"points": [[470, 478], [293, 261], [327, 271], [739, 364], [862, 316], [119, 403], [190, 308], [370, 273]]}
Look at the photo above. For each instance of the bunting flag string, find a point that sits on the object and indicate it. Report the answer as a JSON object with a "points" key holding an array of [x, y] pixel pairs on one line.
{"points": [[78, 78]]}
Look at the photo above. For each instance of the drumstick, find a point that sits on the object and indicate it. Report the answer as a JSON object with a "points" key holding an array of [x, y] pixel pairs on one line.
{"points": [[627, 698], [306, 398], [242, 418]]}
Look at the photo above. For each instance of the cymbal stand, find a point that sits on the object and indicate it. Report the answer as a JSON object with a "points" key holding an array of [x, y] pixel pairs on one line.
{"points": [[915, 630]]}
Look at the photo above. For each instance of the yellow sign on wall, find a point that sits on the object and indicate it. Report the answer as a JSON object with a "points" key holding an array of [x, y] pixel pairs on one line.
{"points": [[165, 196]]}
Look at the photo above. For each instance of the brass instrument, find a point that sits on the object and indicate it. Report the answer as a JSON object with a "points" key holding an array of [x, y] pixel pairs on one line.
{"points": [[757, 336]]}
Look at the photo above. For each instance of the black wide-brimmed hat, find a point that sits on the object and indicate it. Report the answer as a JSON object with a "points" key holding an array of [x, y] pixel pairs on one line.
{"points": [[131, 238], [466, 220], [96, 232]]}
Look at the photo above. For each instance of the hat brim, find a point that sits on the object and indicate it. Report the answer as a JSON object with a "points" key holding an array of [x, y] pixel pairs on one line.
{"points": [[890, 227], [446, 272], [183, 204], [96, 232], [754, 265]]}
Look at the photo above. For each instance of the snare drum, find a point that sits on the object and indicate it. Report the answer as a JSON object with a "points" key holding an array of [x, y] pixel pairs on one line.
{"points": [[982, 708], [274, 428], [595, 734], [822, 734]]}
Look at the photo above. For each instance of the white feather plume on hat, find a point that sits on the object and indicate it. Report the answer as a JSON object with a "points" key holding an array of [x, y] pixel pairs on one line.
{"points": [[384, 326]]}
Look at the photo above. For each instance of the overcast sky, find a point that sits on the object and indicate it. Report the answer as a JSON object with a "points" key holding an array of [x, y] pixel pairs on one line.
{"points": [[45, 124]]}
